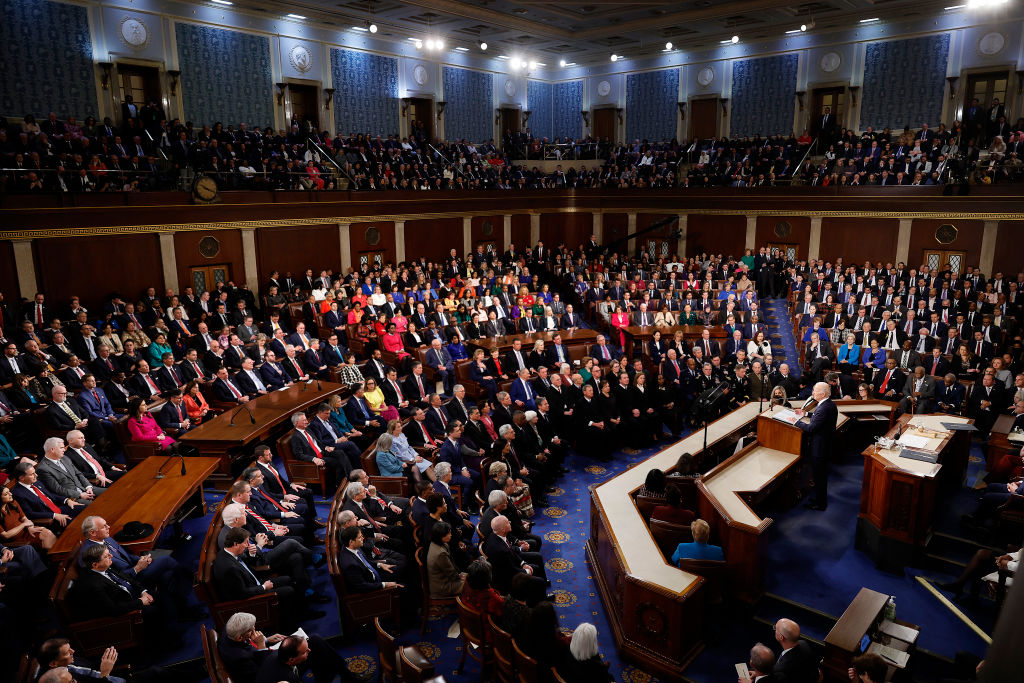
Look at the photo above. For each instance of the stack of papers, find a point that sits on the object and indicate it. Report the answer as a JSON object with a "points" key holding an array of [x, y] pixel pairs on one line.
{"points": [[914, 441], [899, 632], [890, 654]]}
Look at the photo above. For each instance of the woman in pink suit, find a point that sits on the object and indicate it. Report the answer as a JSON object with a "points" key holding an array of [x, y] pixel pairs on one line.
{"points": [[620, 319], [143, 427]]}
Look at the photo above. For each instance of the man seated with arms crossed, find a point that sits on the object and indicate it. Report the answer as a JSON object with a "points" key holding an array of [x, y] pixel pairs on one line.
{"points": [[359, 574], [245, 653], [161, 575]]}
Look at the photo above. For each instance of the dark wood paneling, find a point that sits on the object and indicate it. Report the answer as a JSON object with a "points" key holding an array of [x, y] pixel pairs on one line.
{"points": [[186, 254], [922, 237], [572, 229], [715, 234], [646, 220], [9, 276], [497, 231], [93, 267], [859, 239], [1008, 259], [520, 232], [358, 243], [800, 232], [614, 226], [432, 239], [296, 249]]}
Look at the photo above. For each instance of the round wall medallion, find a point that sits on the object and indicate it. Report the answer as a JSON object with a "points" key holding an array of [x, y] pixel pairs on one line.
{"points": [[134, 33], [372, 236], [991, 43], [300, 58], [510, 87], [830, 61], [705, 76], [209, 246], [783, 229], [420, 74], [488, 228], [603, 88], [946, 233]]}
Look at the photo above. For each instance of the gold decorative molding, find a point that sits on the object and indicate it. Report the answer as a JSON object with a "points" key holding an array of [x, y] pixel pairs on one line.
{"points": [[404, 218]]}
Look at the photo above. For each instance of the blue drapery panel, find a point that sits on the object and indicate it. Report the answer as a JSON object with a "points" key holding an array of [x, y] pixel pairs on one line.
{"points": [[904, 82], [651, 110], [469, 111], [538, 102], [762, 95], [365, 92], [225, 76], [48, 53], [566, 105]]}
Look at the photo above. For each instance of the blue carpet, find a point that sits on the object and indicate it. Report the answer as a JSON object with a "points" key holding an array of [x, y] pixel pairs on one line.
{"points": [[780, 334]]}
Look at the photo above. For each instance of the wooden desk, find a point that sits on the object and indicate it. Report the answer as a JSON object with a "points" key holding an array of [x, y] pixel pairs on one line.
{"points": [[139, 496], [219, 438], [897, 502], [503, 343], [641, 335], [998, 443], [842, 643]]}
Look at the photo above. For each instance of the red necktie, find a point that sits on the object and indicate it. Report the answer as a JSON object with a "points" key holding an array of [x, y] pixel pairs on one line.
{"points": [[96, 396], [978, 352], [676, 366], [398, 391], [250, 511], [885, 383], [46, 501], [272, 501], [497, 365], [234, 391], [444, 421], [426, 435], [181, 418], [376, 525], [273, 470], [296, 366], [419, 381], [707, 348], [91, 460], [935, 364], [316, 449], [152, 384], [196, 368], [39, 314]]}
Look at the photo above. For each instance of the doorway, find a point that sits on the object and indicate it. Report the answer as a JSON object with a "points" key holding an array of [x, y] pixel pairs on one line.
{"points": [[205, 278], [986, 87], [370, 260], [703, 119], [659, 248], [304, 104], [835, 99], [790, 251], [141, 82], [604, 124], [952, 261], [423, 117]]}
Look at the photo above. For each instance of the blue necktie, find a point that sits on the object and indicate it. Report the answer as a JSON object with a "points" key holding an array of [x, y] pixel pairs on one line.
{"points": [[369, 566], [123, 585], [116, 549], [247, 570]]}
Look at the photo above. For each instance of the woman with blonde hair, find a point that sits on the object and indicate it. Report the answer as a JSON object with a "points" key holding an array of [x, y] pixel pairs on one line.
{"points": [[521, 498]]}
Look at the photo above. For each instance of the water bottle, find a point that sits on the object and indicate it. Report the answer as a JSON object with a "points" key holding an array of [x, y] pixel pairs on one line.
{"points": [[890, 608]]}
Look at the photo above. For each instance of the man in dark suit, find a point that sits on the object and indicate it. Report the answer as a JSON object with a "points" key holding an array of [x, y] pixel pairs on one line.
{"points": [[102, 591], [453, 451], [949, 395], [225, 389], [818, 355], [888, 383], [172, 416], [330, 439], [249, 381], [439, 359], [356, 570], [235, 577], [97, 469], [168, 376], [820, 430], [507, 562], [796, 663], [987, 402], [416, 387], [358, 412], [306, 447], [65, 413]]}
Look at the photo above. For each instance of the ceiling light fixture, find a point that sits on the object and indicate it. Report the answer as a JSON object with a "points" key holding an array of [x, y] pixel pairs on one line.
{"points": [[295, 16], [985, 4], [668, 45], [953, 7], [462, 49], [221, 2], [795, 30], [734, 40], [868, 21], [803, 27], [502, 56], [571, 64], [418, 43], [373, 28], [360, 28], [614, 57], [483, 46], [561, 63]]}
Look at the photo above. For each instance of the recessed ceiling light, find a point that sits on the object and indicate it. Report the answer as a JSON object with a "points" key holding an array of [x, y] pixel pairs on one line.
{"points": [[725, 42], [977, 4], [295, 16], [221, 2], [462, 49], [868, 21], [360, 28], [668, 45], [483, 46], [796, 30], [561, 63], [373, 28], [418, 44], [734, 40]]}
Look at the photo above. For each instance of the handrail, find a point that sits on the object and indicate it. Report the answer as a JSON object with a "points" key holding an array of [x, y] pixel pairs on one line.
{"points": [[159, 150], [311, 142], [800, 165], [448, 163]]}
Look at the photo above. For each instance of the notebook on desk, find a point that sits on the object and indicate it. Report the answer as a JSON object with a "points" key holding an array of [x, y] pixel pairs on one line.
{"points": [[899, 632], [890, 654], [915, 454]]}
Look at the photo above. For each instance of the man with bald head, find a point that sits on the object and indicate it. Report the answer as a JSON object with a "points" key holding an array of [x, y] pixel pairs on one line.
{"points": [[795, 664], [762, 661], [820, 429]]}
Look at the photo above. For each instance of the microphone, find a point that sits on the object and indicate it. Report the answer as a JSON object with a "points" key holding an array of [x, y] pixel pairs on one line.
{"points": [[235, 413], [318, 386], [248, 408]]}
